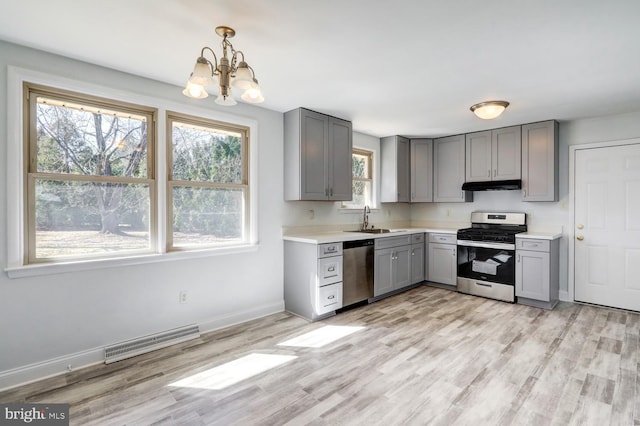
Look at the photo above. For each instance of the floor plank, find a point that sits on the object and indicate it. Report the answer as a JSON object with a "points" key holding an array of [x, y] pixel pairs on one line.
{"points": [[425, 356]]}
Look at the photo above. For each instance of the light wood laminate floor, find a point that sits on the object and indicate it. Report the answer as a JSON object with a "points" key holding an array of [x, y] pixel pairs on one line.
{"points": [[426, 356]]}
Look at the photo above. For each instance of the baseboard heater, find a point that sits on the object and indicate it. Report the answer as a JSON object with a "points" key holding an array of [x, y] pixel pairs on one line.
{"points": [[149, 343]]}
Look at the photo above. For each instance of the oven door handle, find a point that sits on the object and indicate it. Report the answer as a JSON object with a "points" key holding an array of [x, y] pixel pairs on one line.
{"points": [[501, 246]]}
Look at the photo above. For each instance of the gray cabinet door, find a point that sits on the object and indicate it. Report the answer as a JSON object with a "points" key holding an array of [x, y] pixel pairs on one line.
{"points": [[540, 161], [402, 267], [478, 157], [449, 170], [417, 263], [506, 149], [532, 275], [314, 145], [339, 166], [383, 271], [395, 165], [421, 170], [442, 263]]}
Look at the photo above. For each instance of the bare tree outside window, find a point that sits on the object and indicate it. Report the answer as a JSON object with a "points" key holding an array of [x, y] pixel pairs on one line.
{"points": [[90, 180]]}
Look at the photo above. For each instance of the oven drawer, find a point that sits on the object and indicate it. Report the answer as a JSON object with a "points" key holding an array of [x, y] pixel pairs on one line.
{"points": [[443, 238], [532, 244]]}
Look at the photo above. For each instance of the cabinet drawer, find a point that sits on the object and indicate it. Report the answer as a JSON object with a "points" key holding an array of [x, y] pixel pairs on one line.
{"points": [[329, 270], [531, 244], [388, 242], [329, 298], [330, 249], [443, 238], [417, 238]]}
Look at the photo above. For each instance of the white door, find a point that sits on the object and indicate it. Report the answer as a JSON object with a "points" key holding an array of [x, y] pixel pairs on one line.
{"points": [[607, 226]]}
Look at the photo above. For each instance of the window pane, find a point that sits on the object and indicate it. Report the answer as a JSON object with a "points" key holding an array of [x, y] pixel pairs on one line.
{"points": [[361, 166], [85, 218], [361, 194], [206, 154], [87, 141], [207, 216]]}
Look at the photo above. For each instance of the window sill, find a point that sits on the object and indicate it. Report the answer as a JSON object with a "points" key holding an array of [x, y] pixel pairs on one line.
{"points": [[88, 265], [351, 210]]}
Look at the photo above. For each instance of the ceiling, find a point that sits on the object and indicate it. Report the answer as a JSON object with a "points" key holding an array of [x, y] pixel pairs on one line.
{"points": [[407, 67]]}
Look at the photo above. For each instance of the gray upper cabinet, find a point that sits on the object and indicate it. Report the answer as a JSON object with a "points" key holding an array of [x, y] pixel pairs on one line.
{"points": [[493, 155], [317, 156], [421, 170], [395, 169], [540, 161], [449, 170]]}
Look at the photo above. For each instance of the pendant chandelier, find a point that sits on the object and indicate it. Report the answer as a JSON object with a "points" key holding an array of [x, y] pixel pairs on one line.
{"points": [[231, 71]]}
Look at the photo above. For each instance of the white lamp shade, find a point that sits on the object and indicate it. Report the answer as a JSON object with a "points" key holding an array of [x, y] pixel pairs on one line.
{"points": [[195, 91], [244, 77], [202, 74], [226, 101], [253, 94], [489, 110]]}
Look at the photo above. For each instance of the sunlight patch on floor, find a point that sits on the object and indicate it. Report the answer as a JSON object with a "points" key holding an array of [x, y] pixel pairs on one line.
{"points": [[233, 372], [322, 336]]}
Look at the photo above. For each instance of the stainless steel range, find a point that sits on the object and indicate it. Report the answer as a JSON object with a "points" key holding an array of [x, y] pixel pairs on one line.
{"points": [[486, 255]]}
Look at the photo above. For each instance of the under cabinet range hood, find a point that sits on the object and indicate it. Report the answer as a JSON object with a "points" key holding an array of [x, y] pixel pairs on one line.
{"points": [[493, 185]]}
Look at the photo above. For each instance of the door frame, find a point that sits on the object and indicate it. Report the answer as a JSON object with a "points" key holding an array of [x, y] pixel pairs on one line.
{"points": [[571, 284]]}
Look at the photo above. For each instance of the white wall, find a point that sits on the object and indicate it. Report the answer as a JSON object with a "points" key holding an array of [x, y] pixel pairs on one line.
{"points": [[48, 322]]}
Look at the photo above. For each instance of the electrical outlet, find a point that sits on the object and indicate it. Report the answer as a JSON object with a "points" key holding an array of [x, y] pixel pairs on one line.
{"points": [[183, 296]]}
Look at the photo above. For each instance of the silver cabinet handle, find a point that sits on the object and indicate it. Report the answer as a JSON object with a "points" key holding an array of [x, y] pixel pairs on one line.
{"points": [[489, 173], [495, 172], [333, 296], [518, 258], [331, 268]]}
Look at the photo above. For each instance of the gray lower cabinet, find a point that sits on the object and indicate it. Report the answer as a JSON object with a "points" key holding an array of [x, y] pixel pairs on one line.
{"points": [[540, 161], [443, 261], [317, 157], [449, 170], [392, 264], [417, 258], [537, 272], [312, 279]]}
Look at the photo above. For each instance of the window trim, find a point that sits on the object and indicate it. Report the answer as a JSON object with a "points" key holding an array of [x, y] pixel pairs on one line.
{"points": [[171, 117], [30, 94], [15, 267], [370, 154]]}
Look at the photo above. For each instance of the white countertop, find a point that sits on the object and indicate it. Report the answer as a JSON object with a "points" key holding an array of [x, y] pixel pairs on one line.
{"points": [[339, 236], [540, 235]]}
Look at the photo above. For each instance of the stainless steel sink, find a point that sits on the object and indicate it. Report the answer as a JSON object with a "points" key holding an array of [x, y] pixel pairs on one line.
{"points": [[372, 231]]}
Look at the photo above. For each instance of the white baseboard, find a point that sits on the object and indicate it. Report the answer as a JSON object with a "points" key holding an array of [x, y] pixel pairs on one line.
{"points": [[49, 368], [60, 365], [216, 323]]}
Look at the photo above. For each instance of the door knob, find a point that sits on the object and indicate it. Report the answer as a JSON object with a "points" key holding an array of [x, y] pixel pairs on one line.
{"points": [[580, 226], [580, 238]]}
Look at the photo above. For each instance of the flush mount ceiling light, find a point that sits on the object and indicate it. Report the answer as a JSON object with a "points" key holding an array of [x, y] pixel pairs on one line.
{"points": [[490, 109], [228, 73]]}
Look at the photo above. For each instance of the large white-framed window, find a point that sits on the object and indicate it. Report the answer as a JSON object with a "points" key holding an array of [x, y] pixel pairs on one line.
{"points": [[17, 236], [362, 186], [89, 181], [208, 183]]}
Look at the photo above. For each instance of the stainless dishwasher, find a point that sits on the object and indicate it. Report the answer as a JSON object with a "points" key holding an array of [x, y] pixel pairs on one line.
{"points": [[357, 268]]}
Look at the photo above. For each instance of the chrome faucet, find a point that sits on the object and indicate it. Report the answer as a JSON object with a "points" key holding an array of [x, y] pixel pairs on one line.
{"points": [[365, 218]]}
